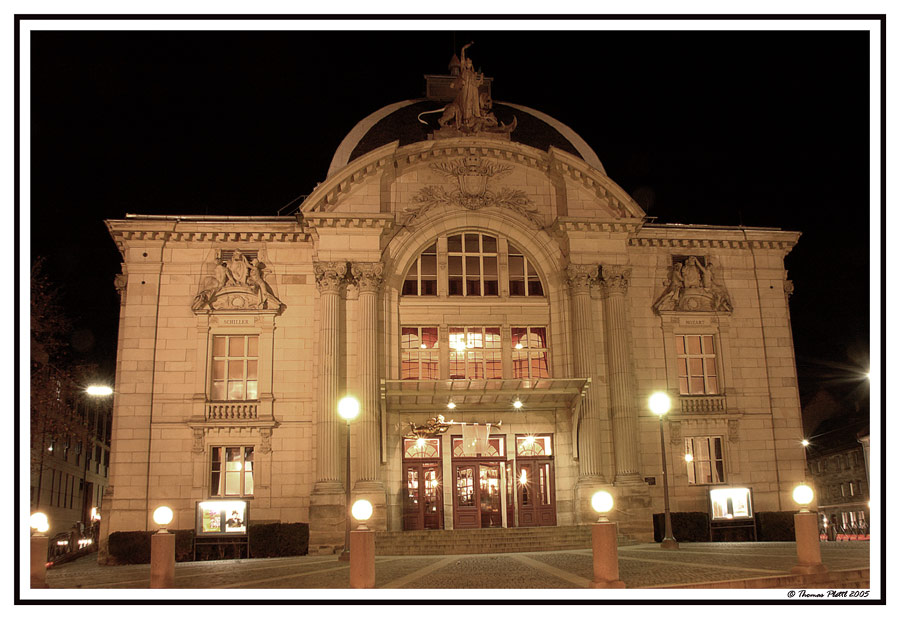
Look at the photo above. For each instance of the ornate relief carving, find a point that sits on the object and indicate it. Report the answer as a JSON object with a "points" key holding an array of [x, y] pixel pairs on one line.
{"points": [[237, 283], [121, 283], [734, 429], [788, 287], [581, 276], [472, 175], [368, 275], [615, 279], [330, 276], [692, 285], [197, 447], [674, 433], [265, 435]]}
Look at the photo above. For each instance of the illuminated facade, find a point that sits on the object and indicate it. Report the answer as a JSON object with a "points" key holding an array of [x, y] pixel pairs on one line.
{"points": [[482, 267]]}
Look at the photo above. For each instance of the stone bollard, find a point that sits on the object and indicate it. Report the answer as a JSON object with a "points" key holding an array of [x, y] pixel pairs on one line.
{"points": [[606, 556], [809, 555], [362, 559], [39, 561], [162, 560]]}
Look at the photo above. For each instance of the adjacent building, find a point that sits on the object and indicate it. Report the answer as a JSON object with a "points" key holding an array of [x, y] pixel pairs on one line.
{"points": [[499, 306]]}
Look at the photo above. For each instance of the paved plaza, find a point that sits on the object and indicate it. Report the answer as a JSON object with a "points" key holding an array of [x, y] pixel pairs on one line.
{"points": [[640, 566]]}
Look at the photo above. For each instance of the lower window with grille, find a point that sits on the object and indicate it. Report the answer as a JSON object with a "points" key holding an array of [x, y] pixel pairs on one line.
{"points": [[705, 459]]}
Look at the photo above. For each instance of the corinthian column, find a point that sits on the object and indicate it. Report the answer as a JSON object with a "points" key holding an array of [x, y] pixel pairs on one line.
{"points": [[330, 280], [614, 280], [580, 277], [368, 276]]}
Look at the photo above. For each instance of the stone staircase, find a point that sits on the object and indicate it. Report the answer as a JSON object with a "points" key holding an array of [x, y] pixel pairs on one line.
{"points": [[485, 541]]}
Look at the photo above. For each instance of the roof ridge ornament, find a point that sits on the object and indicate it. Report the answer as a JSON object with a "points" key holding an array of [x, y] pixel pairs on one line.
{"points": [[470, 112]]}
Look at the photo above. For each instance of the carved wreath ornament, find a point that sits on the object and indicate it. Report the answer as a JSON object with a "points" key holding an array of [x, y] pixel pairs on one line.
{"points": [[472, 175]]}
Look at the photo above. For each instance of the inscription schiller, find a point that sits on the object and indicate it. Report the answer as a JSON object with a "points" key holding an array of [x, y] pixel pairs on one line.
{"points": [[236, 321]]}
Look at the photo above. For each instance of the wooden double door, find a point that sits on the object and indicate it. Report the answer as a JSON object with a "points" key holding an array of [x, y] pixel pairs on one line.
{"points": [[423, 503], [536, 492], [477, 501]]}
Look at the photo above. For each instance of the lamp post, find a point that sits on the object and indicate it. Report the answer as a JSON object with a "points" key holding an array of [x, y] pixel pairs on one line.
{"points": [[806, 531], [348, 409], [39, 527], [660, 403], [362, 544], [604, 544], [162, 551]]}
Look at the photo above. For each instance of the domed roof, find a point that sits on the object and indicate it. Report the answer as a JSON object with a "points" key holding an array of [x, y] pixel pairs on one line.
{"points": [[404, 121]]}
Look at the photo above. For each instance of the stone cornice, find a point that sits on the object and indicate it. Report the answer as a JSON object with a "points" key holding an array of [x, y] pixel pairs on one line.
{"points": [[152, 231], [326, 194], [711, 237], [596, 182], [590, 224], [318, 221]]}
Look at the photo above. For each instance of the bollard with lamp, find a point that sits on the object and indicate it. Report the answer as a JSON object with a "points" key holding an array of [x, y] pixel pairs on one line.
{"points": [[362, 548], [348, 409], [806, 531], [660, 403], [604, 543], [162, 551], [39, 526]]}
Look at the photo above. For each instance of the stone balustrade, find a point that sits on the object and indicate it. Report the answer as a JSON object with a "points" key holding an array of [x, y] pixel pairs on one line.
{"points": [[703, 404], [231, 411]]}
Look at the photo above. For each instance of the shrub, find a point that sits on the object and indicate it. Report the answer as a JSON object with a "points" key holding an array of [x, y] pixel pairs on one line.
{"points": [[279, 539], [775, 526], [133, 547], [686, 526]]}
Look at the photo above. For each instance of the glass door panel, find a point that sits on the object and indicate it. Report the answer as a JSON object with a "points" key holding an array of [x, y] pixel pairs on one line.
{"points": [[489, 495]]}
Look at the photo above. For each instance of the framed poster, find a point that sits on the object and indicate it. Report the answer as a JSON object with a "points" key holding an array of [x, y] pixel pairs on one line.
{"points": [[730, 504], [218, 518]]}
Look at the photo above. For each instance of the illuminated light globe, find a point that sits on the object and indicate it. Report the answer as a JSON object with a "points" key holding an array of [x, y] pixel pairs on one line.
{"points": [[659, 403], [602, 502], [99, 390], [362, 510], [803, 496], [348, 408], [688, 457], [517, 404], [805, 443], [39, 522], [162, 516]]}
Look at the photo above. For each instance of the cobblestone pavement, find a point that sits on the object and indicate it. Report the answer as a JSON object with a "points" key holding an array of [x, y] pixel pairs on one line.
{"points": [[642, 565]]}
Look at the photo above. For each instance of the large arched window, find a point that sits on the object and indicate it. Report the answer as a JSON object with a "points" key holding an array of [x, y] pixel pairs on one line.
{"points": [[478, 265]]}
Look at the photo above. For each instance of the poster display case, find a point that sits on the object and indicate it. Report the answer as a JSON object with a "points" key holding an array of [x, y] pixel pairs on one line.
{"points": [[731, 508], [223, 523]]}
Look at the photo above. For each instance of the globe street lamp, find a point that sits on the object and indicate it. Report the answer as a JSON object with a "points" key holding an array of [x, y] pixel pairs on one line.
{"points": [[604, 546], [806, 532], [162, 550], [362, 543], [660, 403], [348, 409]]}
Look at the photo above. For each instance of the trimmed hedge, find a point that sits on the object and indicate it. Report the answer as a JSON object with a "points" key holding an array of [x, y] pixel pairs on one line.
{"points": [[694, 527], [266, 540], [686, 526], [133, 547], [279, 540]]}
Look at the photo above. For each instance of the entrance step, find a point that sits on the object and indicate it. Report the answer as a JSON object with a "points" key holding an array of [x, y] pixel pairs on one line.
{"points": [[484, 541]]}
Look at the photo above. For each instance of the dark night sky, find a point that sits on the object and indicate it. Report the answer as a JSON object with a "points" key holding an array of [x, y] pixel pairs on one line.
{"points": [[752, 128]]}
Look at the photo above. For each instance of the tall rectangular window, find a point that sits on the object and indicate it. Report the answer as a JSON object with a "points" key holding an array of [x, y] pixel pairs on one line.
{"points": [[231, 471], [697, 373], [530, 351], [235, 367], [523, 278], [419, 353], [472, 265], [475, 352], [705, 459]]}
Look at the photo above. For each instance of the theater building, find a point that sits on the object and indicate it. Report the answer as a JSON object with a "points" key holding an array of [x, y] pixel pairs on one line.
{"points": [[500, 308]]}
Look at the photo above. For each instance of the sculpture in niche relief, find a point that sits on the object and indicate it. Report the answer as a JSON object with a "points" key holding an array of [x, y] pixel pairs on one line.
{"points": [[692, 285], [472, 192], [237, 283]]}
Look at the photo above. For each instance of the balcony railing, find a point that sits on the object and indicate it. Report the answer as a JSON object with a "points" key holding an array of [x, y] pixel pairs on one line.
{"points": [[231, 411], [702, 404]]}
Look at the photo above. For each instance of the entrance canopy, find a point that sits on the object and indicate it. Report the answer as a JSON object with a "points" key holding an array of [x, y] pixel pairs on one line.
{"points": [[483, 395]]}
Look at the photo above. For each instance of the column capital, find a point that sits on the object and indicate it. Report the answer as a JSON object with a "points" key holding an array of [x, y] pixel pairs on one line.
{"points": [[615, 278], [330, 276], [581, 276], [368, 275]]}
